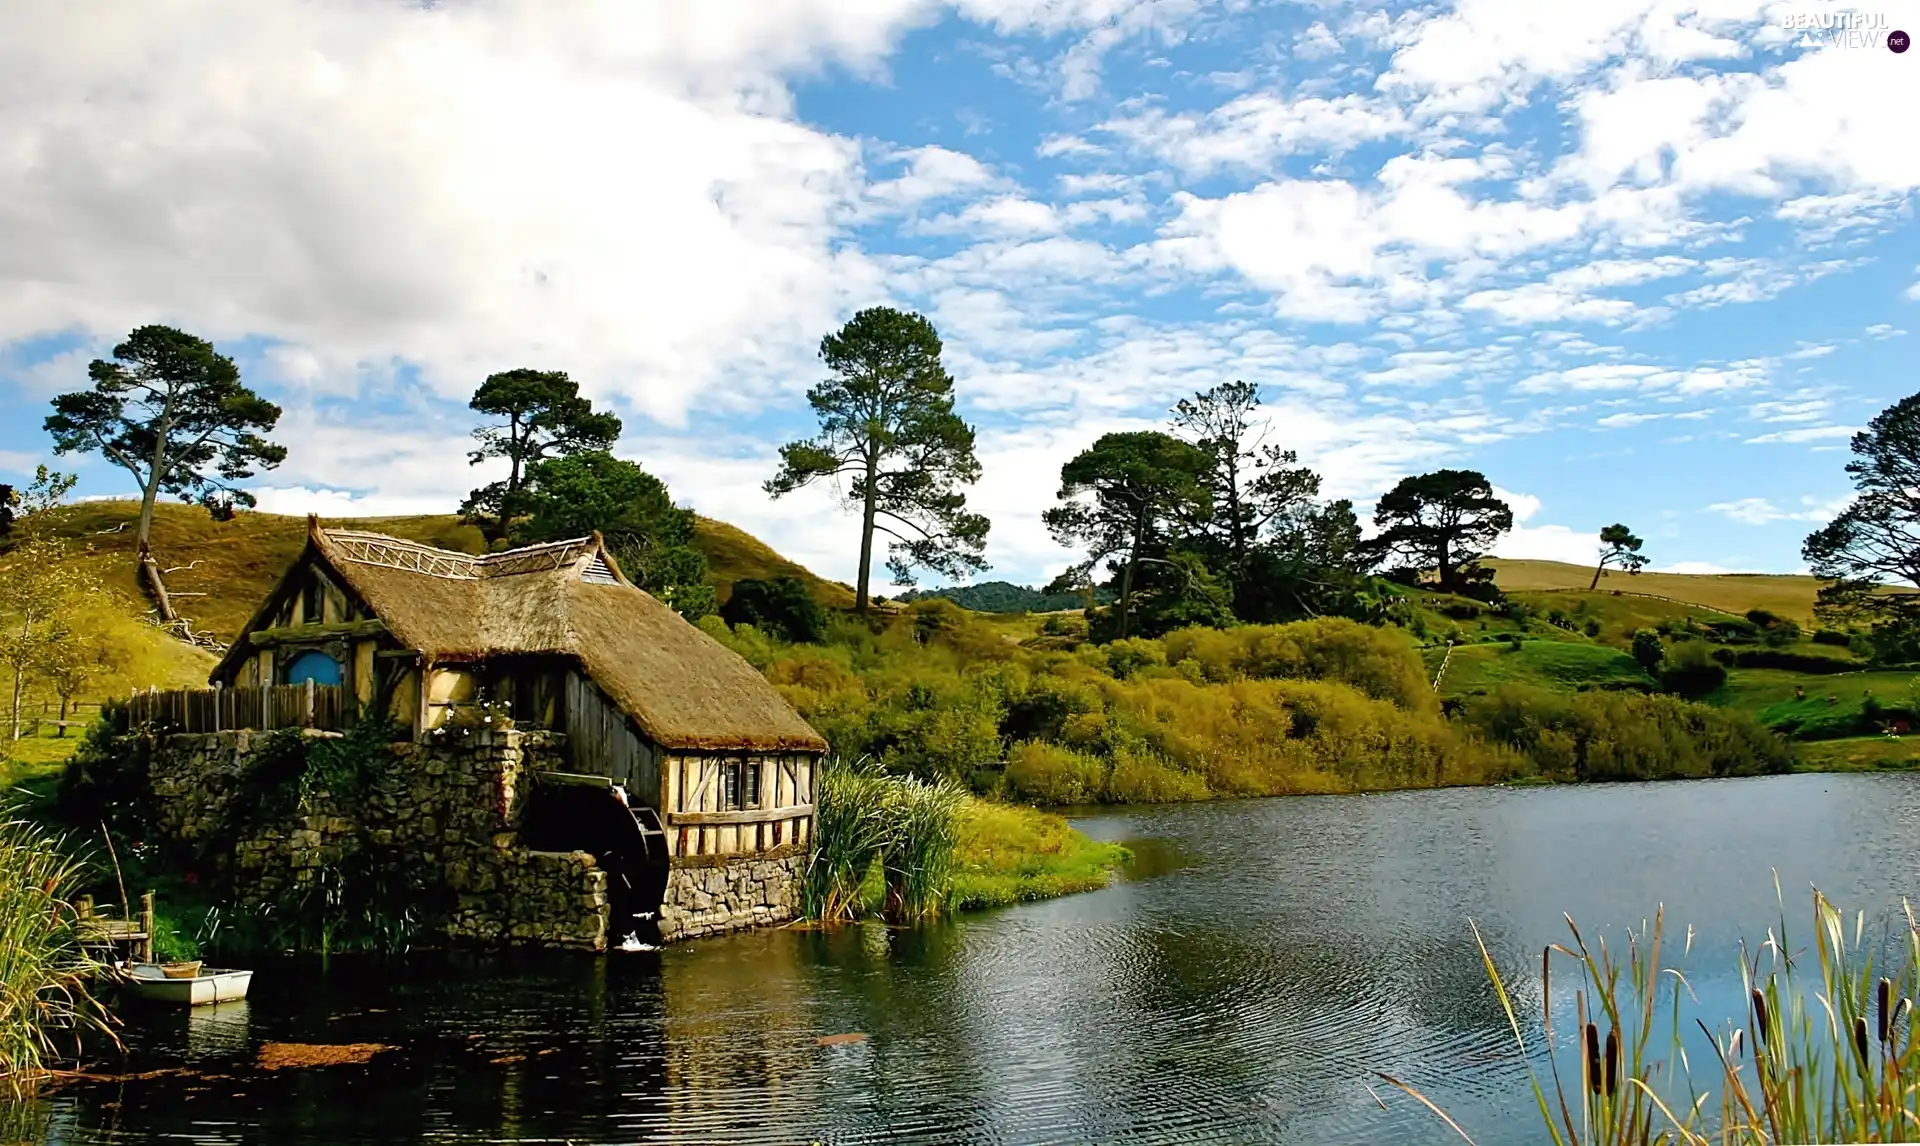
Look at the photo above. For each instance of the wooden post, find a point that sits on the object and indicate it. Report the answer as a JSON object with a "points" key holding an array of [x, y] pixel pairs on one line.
{"points": [[266, 704], [146, 927], [307, 721]]}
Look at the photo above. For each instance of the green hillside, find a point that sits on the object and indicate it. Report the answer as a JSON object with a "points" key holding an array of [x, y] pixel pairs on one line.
{"points": [[219, 570]]}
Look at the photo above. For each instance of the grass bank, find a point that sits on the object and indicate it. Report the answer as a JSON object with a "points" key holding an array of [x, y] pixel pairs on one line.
{"points": [[909, 850], [1006, 853]]}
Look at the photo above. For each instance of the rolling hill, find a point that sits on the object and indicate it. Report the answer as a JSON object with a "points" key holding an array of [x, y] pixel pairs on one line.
{"points": [[1783, 594], [217, 571]]}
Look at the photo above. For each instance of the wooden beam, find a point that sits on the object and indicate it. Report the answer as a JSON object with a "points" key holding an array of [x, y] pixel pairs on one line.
{"points": [[573, 778], [301, 634], [743, 816]]}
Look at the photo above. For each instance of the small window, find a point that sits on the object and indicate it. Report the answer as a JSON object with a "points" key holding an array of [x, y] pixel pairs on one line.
{"points": [[317, 667], [730, 786], [313, 603], [752, 785]]}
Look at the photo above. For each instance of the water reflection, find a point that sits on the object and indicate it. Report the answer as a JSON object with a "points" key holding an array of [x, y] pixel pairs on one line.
{"points": [[1285, 951]]}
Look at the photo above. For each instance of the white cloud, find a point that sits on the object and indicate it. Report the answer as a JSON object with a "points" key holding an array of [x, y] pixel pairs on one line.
{"points": [[1254, 130], [1762, 511], [618, 190], [932, 173], [1808, 434], [1881, 331], [1317, 42]]}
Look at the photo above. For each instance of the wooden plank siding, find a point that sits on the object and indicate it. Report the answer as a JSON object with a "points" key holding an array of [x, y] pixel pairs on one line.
{"points": [[603, 742]]}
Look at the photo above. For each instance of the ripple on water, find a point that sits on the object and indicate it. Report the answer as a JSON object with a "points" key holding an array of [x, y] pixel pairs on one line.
{"points": [[1249, 993]]}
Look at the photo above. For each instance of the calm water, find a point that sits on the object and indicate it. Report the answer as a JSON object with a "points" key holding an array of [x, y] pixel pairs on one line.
{"points": [[1247, 994]]}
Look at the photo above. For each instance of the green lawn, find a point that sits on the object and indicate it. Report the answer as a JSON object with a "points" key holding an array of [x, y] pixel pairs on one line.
{"points": [[1547, 663], [1007, 854], [1860, 754]]}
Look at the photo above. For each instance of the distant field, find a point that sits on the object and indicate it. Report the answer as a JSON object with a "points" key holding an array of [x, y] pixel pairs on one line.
{"points": [[1785, 595], [222, 569], [1547, 663]]}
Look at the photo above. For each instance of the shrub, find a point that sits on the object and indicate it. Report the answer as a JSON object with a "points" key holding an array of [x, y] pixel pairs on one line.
{"points": [[1832, 637], [1592, 627], [1378, 662], [782, 606], [1048, 774], [1625, 736], [1691, 671], [1647, 649]]}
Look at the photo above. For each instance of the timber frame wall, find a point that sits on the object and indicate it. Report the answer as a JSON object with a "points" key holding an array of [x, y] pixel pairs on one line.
{"points": [[698, 824]]}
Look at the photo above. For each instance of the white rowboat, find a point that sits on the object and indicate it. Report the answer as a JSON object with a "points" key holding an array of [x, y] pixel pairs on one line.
{"points": [[212, 985]]}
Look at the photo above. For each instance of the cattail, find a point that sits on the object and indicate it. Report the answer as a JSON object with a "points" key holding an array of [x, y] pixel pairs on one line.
{"points": [[1594, 1075], [1886, 1009], [1760, 1016], [1860, 1037], [1613, 1061]]}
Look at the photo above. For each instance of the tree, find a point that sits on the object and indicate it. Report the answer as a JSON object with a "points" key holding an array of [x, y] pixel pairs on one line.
{"points": [[887, 426], [1648, 650], [1251, 482], [1312, 564], [1874, 544], [1127, 494], [1618, 546], [545, 418], [1445, 520], [651, 537], [25, 512], [40, 585], [173, 413], [72, 658], [782, 607]]}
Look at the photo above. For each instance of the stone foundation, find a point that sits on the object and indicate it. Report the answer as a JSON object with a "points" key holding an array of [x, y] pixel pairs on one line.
{"points": [[712, 896], [447, 819]]}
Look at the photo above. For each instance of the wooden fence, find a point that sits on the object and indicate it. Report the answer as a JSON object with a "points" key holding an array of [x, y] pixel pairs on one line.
{"points": [[309, 705]]}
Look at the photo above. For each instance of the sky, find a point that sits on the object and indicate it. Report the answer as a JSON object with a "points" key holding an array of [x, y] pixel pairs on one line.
{"points": [[1647, 261]]}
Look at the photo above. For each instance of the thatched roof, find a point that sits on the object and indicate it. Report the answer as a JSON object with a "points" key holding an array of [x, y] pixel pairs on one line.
{"points": [[681, 687]]}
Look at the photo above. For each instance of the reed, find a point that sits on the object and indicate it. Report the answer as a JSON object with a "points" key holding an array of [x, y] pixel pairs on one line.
{"points": [[1826, 1051], [45, 1002], [865, 816]]}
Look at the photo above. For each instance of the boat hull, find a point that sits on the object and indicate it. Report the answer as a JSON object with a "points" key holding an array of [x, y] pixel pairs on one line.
{"points": [[148, 982]]}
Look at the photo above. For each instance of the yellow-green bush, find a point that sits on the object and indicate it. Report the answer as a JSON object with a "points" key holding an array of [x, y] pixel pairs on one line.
{"points": [[1042, 773], [1379, 662], [1626, 735]]}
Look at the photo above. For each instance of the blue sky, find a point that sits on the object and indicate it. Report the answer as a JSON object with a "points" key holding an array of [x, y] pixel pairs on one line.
{"points": [[1645, 260]]}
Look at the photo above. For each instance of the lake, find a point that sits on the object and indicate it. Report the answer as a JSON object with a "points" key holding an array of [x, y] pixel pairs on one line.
{"points": [[1285, 951]]}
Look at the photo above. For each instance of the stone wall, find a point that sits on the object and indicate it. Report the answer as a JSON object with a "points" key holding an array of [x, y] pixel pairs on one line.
{"points": [[712, 895], [447, 818]]}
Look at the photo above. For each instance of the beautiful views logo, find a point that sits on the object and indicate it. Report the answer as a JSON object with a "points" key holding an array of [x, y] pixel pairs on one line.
{"points": [[1832, 29]]}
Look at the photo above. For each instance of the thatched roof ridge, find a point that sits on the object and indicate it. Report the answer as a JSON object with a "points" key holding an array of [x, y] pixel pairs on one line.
{"points": [[683, 689]]}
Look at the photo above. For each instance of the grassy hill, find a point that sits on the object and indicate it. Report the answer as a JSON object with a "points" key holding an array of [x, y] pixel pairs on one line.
{"points": [[220, 570], [1782, 594]]}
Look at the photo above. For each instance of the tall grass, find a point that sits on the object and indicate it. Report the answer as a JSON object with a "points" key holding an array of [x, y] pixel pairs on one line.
{"points": [[1826, 1052], [45, 1001], [864, 816]]}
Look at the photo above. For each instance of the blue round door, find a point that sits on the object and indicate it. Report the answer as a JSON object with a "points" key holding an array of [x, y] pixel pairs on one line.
{"points": [[313, 666]]}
